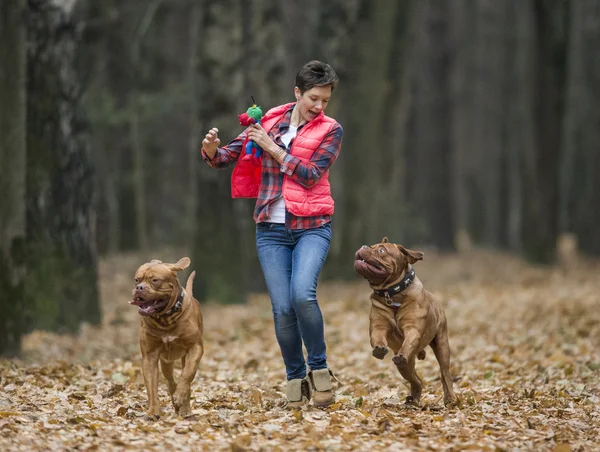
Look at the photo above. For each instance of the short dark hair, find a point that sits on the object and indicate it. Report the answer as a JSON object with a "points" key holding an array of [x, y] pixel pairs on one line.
{"points": [[315, 73]]}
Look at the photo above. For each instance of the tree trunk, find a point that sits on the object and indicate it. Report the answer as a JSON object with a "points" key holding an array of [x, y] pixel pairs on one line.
{"points": [[100, 59], [194, 140], [370, 129], [338, 36], [300, 19], [428, 165], [361, 171], [224, 227], [106, 183], [461, 119], [519, 119], [580, 160], [399, 106], [61, 260], [13, 59], [489, 61], [136, 141], [541, 206], [139, 172], [251, 278]]}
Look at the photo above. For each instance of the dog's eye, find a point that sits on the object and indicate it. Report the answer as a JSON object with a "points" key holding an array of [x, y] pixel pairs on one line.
{"points": [[382, 250], [137, 280], [155, 281]]}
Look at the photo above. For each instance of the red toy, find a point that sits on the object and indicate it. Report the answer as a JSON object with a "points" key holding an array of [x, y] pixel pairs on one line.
{"points": [[253, 151]]}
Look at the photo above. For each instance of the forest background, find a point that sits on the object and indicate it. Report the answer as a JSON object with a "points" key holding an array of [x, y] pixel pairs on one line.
{"points": [[469, 124]]}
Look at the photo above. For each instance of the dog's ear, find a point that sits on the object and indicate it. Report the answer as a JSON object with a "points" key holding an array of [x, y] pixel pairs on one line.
{"points": [[385, 240], [155, 261], [181, 264], [413, 256]]}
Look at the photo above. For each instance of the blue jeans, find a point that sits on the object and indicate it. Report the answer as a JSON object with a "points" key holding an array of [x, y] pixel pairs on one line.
{"points": [[291, 261]]}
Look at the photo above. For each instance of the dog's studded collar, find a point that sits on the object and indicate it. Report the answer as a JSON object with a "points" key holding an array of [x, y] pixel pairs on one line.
{"points": [[176, 307], [388, 293]]}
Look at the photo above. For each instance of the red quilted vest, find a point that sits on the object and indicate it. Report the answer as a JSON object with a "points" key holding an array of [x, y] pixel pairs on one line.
{"points": [[299, 200]]}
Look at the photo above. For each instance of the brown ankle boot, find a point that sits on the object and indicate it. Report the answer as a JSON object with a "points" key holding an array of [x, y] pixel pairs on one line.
{"points": [[321, 384], [298, 392]]}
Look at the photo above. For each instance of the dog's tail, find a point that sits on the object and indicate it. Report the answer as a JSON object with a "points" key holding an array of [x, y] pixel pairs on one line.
{"points": [[190, 283]]}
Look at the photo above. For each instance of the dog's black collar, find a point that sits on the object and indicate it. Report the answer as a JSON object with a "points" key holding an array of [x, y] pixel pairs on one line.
{"points": [[177, 306], [388, 293]]}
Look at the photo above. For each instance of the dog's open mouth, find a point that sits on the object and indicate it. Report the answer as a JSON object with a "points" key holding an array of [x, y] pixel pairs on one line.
{"points": [[149, 307], [369, 269]]}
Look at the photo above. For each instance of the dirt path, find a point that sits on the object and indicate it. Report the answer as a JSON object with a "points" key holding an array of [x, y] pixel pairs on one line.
{"points": [[526, 360]]}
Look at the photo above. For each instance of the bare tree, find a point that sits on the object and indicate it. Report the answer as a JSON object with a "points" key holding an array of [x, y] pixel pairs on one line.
{"points": [[137, 142], [519, 120], [13, 58], [61, 241], [541, 174], [430, 159], [580, 161], [461, 97], [300, 31], [196, 15]]}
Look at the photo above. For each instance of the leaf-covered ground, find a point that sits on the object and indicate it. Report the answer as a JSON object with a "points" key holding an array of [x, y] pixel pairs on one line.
{"points": [[526, 362]]}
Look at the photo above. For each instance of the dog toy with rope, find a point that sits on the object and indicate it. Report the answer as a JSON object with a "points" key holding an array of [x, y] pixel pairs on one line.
{"points": [[253, 152]]}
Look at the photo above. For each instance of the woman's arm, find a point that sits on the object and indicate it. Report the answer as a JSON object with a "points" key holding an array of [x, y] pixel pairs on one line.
{"points": [[221, 157], [308, 173]]}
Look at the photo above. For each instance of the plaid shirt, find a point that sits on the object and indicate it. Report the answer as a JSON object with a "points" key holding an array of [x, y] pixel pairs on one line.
{"points": [[305, 173]]}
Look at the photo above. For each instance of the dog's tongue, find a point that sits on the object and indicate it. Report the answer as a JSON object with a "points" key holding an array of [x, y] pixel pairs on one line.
{"points": [[136, 303]]}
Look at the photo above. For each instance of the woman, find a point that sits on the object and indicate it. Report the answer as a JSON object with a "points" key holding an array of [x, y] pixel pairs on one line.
{"points": [[293, 219]]}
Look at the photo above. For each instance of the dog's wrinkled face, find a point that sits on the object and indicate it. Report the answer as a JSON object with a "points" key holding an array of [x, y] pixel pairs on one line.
{"points": [[384, 262], [155, 285]]}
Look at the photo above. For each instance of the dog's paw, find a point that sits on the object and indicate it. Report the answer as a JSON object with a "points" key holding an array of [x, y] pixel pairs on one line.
{"points": [[410, 400], [422, 355], [379, 351], [451, 401], [180, 399], [400, 360], [152, 416], [184, 411]]}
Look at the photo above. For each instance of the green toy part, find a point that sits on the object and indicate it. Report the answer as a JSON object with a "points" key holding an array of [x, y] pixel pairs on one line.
{"points": [[255, 112]]}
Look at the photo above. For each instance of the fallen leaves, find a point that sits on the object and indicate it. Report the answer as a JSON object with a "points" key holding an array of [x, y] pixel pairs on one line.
{"points": [[525, 361]]}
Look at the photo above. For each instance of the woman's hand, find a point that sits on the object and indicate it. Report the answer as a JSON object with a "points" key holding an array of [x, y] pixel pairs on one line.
{"points": [[259, 135], [211, 142]]}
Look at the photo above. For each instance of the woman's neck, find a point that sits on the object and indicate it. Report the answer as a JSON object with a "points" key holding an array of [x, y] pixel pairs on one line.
{"points": [[296, 120]]}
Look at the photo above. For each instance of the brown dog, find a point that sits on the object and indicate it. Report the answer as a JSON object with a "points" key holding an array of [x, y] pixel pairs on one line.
{"points": [[404, 316], [171, 329]]}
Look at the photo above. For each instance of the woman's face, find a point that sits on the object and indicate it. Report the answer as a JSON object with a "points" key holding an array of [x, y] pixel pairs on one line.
{"points": [[313, 101]]}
